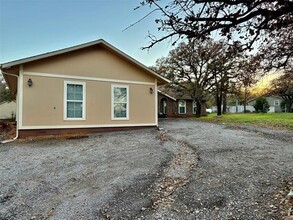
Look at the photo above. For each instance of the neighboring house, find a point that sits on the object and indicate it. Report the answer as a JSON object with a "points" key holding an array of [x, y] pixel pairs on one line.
{"points": [[274, 103], [85, 88], [174, 104], [7, 110], [239, 108]]}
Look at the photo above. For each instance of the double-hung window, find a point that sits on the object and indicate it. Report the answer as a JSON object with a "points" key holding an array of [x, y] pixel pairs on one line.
{"points": [[120, 102], [182, 106], [74, 94]]}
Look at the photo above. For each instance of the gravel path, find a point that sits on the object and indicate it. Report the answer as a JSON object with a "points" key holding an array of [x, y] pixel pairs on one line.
{"points": [[191, 170], [239, 175], [74, 179]]}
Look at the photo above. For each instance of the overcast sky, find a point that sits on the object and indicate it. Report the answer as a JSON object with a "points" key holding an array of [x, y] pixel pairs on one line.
{"points": [[32, 27]]}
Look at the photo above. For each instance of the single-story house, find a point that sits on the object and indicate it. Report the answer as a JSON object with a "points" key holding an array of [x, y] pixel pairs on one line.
{"points": [[86, 88], [274, 102], [7, 110], [238, 108], [176, 104]]}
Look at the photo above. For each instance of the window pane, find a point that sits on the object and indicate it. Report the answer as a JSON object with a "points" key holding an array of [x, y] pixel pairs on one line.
{"points": [[78, 88], [70, 88], [181, 103], [78, 96], [70, 96], [70, 113], [74, 110], [78, 106], [78, 114], [120, 110], [70, 105], [120, 94], [74, 92], [182, 110]]}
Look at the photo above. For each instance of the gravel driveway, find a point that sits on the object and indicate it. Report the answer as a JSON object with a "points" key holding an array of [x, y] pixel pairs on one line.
{"points": [[240, 174], [191, 170]]}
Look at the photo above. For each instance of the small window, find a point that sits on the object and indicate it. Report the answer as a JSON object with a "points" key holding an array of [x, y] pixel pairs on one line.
{"points": [[182, 106], [164, 106], [120, 102], [74, 93], [194, 107], [276, 103]]}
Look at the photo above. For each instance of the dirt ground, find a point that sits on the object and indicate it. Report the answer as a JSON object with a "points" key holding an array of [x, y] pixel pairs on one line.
{"points": [[191, 170]]}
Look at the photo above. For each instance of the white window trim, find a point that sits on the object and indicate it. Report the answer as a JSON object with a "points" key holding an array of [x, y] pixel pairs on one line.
{"points": [[112, 102], [184, 107], [83, 100], [194, 102], [277, 102]]}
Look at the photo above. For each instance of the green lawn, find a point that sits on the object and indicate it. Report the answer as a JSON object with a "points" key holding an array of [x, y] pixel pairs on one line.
{"points": [[272, 120]]}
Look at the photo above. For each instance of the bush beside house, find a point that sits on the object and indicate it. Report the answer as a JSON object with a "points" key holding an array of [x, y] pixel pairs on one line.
{"points": [[261, 105]]}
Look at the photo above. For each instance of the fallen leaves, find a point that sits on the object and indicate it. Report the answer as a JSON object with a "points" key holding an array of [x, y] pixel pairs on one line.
{"points": [[281, 203], [175, 176]]}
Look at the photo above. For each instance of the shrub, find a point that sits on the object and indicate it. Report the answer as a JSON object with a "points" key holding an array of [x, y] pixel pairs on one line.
{"points": [[261, 105]]}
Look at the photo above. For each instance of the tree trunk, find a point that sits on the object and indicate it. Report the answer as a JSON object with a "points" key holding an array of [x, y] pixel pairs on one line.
{"points": [[289, 106], [219, 104], [225, 103], [245, 100], [198, 108]]}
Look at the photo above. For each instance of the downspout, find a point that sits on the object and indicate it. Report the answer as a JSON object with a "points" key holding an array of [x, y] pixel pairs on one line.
{"points": [[16, 136]]}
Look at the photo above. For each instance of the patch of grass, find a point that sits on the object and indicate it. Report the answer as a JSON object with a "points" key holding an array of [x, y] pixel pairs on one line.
{"points": [[271, 120]]}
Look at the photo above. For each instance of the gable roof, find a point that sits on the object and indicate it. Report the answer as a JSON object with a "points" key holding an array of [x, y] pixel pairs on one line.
{"points": [[265, 96], [102, 42], [159, 91], [172, 92]]}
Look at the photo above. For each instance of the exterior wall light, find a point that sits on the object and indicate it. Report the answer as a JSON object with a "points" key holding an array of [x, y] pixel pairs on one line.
{"points": [[151, 90], [30, 82]]}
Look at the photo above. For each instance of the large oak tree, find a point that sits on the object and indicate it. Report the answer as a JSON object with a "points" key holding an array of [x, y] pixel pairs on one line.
{"points": [[197, 68], [247, 68], [265, 24]]}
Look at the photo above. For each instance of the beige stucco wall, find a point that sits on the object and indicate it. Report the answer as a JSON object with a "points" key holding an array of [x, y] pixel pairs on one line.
{"points": [[43, 103], [95, 61], [7, 110]]}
